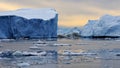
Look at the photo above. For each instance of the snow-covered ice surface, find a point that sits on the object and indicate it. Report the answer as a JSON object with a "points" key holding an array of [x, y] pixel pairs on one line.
{"points": [[107, 25], [29, 23], [43, 13]]}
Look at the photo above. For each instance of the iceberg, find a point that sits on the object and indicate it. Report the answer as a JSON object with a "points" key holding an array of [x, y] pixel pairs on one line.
{"points": [[28, 23], [106, 26], [69, 32]]}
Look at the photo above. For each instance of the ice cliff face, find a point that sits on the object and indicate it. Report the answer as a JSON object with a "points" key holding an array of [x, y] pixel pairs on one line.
{"points": [[29, 23], [107, 25]]}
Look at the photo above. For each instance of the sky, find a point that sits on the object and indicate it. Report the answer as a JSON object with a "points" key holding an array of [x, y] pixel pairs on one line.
{"points": [[71, 12]]}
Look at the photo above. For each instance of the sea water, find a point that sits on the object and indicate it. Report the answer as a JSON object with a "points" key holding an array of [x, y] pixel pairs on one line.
{"points": [[106, 54]]}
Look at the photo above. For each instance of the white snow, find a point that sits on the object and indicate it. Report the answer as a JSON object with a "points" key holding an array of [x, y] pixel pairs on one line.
{"points": [[43, 13]]}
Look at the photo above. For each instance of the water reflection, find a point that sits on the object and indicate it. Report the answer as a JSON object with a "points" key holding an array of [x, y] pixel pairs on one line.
{"points": [[109, 59], [105, 58]]}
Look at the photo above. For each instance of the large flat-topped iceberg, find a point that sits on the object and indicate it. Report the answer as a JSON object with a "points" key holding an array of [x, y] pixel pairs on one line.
{"points": [[43, 13], [106, 26], [29, 23]]}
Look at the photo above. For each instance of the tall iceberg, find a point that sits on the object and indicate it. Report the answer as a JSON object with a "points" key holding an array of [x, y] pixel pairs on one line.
{"points": [[29, 23], [106, 26]]}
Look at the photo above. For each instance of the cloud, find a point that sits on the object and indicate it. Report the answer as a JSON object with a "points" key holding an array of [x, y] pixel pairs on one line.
{"points": [[69, 10], [104, 4], [71, 7]]}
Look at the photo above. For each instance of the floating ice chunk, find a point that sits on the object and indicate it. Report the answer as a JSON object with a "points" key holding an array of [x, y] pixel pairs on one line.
{"points": [[34, 53], [40, 44], [23, 64], [61, 44], [18, 53], [71, 53], [35, 48], [6, 40], [42, 53]]}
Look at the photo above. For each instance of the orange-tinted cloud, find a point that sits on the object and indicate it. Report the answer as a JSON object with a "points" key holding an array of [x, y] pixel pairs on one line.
{"points": [[77, 20], [5, 6], [8, 6]]}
